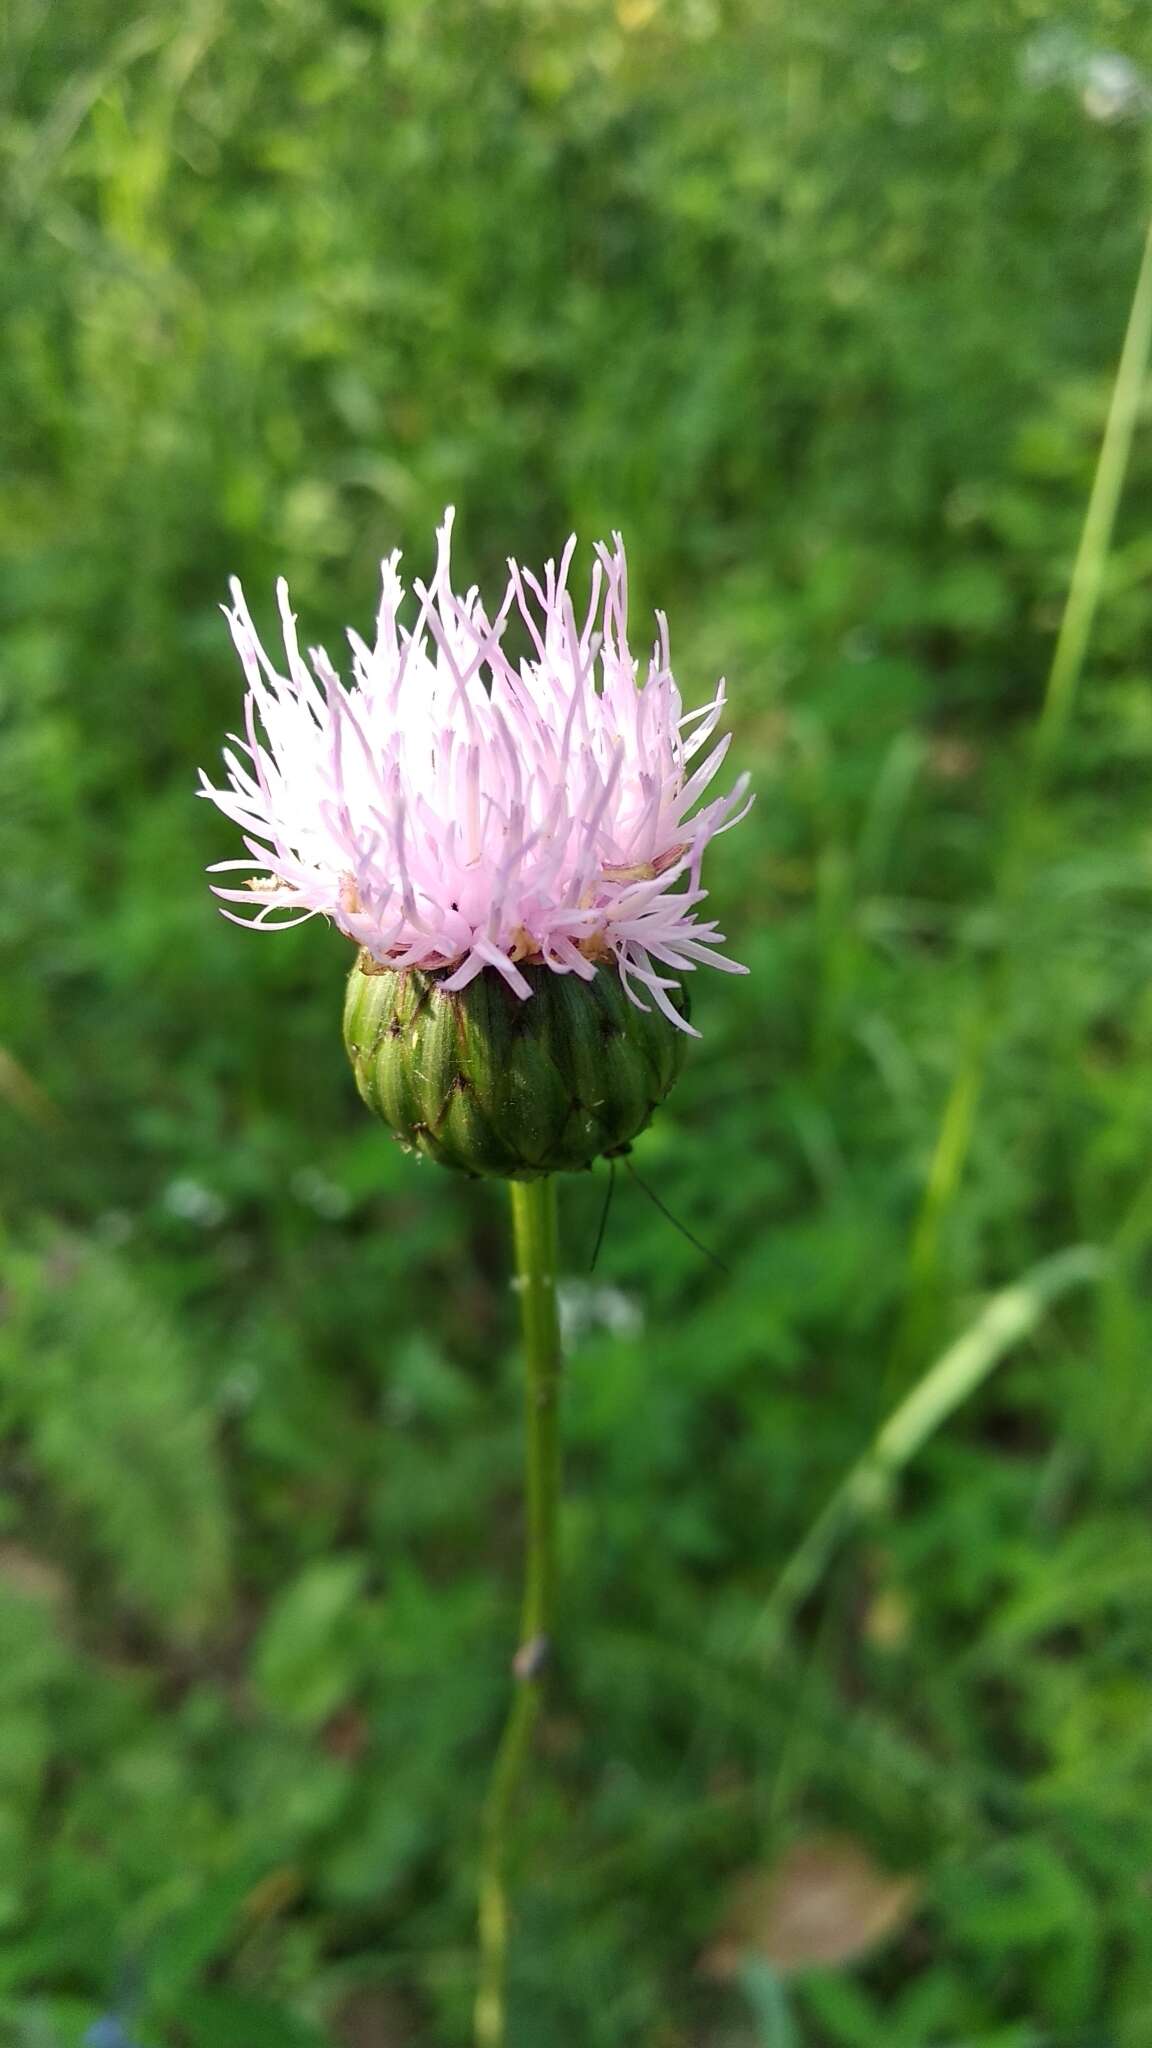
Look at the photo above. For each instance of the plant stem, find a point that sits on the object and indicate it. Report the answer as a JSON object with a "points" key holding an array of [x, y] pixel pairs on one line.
{"points": [[534, 1225], [1100, 518], [1005, 1320], [1085, 589]]}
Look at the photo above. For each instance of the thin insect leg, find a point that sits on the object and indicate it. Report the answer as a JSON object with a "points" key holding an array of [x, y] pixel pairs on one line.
{"points": [[604, 1215], [654, 1198]]}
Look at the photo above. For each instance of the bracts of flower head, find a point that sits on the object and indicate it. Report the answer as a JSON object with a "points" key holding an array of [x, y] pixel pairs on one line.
{"points": [[452, 810]]}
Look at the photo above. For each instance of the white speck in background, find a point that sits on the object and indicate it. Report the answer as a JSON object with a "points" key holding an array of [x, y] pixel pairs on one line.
{"points": [[586, 1308]]}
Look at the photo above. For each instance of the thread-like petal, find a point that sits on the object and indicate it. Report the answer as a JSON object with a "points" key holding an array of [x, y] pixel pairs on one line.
{"points": [[449, 808]]}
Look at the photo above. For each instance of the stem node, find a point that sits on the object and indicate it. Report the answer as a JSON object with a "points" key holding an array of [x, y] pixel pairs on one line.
{"points": [[531, 1658]]}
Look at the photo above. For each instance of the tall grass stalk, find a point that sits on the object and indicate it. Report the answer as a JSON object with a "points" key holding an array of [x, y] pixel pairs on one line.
{"points": [[1009, 1317], [958, 1119]]}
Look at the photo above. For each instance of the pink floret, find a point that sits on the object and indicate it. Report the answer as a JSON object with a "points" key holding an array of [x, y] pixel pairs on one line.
{"points": [[450, 809]]}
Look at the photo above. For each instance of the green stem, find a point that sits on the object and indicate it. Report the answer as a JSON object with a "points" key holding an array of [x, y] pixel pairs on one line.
{"points": [[1085, 589], [534, 1225], [1100, 518], [1009, 1317]]}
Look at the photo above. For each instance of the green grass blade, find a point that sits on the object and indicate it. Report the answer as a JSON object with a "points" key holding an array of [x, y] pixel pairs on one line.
{"points": [[1100, 518], [1010, 1315]]}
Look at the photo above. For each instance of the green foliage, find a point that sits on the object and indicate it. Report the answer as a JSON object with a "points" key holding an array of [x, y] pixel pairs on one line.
{"points": [[111, 1422], [820, 306], [304, 1655]]}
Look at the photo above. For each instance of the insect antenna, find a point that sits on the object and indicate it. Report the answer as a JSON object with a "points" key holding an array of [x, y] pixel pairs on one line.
{"points": [[604, 1215], [654, 1198]]}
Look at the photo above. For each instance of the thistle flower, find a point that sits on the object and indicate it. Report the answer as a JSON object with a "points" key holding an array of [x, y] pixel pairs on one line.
{"points": [[461, 816]]}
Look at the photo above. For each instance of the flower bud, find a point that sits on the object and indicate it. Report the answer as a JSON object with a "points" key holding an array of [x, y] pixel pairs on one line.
{"points": [[484, 1081]]}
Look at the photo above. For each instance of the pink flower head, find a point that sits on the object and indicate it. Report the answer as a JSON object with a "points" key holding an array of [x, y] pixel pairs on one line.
{"points": [[450, 808]]}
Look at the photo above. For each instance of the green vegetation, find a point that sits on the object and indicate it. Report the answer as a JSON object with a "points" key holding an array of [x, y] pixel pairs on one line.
{"points": [[821, 305]]}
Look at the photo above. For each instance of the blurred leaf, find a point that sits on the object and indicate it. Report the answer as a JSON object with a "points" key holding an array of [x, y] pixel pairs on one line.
{"points": [[306, 1660], [104, 1385], [826, 1901], [210, 1923], [209, 2018]]}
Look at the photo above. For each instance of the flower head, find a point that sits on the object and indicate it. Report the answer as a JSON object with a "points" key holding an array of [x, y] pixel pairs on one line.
{"points": [[453, 809]]}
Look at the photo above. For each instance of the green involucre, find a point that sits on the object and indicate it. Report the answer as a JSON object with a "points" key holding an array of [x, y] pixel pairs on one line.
{"points": [[490, 1083]]}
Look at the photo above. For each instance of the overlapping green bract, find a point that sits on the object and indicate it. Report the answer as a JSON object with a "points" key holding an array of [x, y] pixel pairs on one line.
{"points": [[479, 1080]]}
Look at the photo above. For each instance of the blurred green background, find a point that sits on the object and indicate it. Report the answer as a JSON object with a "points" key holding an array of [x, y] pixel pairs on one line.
{"points": [[821, 305]]}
